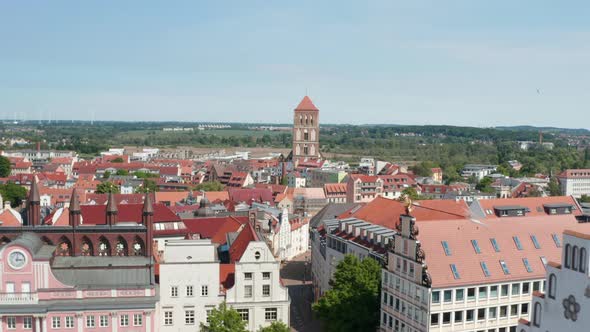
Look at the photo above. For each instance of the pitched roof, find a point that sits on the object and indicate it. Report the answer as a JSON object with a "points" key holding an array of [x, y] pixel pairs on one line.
{"points": [[335, 188], [535, 205], [459, 233], [306, 105], [95, 214], [227, 275], [248, 195], [215, 228], [240, 244], [172, 197], [386, 212]]}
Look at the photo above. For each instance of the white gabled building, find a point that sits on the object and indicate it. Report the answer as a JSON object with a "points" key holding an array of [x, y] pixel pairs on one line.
{"points": [[257, 292], [290, 237], [189, 284], [566, 303]]}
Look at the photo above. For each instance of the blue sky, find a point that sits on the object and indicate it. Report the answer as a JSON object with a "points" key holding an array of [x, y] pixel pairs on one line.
{"points": [[476, 63]]}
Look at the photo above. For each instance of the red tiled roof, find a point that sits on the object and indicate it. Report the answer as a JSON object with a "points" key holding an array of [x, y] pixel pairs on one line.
{"points": [[227, 275], [335, 188], [119, 198], [96, 214], [249, 195], [172, 197], [215, 228], [306, 105], [534, 204], [459, 233], [241, 242], [575, 174], [386, 212]]}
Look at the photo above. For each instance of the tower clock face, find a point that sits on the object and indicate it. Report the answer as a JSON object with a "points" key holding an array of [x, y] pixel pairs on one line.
{"points": [[17, 259]]}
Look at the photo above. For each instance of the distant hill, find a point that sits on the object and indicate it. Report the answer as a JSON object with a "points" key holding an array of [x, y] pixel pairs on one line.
{"points": [[553, 130]]}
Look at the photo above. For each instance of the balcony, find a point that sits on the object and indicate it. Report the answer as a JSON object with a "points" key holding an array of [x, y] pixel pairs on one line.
{"points": [[18, 298]]}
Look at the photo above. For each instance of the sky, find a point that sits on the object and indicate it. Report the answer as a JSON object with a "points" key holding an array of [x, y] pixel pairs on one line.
{"points": [[474, 63]]}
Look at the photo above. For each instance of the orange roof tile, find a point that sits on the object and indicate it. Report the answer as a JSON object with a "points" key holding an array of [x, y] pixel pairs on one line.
{"points": [[306, 105]]}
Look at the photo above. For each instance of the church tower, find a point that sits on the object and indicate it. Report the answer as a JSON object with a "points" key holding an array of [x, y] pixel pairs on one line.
{"points": [[306, 131]]}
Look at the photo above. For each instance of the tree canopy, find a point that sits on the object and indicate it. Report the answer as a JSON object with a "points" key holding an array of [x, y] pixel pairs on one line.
{"points": [[275, 327], [224, 319], [13, 193], [4, 167], [148, 186], [209, 186], [107, 187], [353, 302]]}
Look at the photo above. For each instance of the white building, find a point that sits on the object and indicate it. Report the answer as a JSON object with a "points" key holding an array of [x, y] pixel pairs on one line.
{"points": [[566, 303], [575, 182], [189, 284], [479, 171], [290, 237]]}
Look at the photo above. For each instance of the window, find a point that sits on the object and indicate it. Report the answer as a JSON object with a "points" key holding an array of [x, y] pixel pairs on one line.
{"points": [[55, 322], [527, 266], [526, 287], [189, 317], [266, 275], [248, 276], [189, 291], [270, 314], [535, 242], [168, 318], [495, 244], [137, 320], [575, 258], [483, 293], [27, 323], [524, 309], [484, 268], [552, 286], [481, 314], [265, 290], [493, 292], [448, 295], [536, 286], [103, 320], [504, 311], [583, 262], [567, 255], [11, 322], [469, 315], [124, 320], [459, 294], [492, 312], [174, 291], [515, 289], [208, 315], [435, 297], [69, 322], [434, 319], [504, 290], [458, 316], [90, 321], [471, 293], [244, 314], [476, 246], [455, 272], [514, 310], [447, 318], [446, 248], [504, 267], [517, 242], [248, 291], [556, 240], [537, 314], [204, 290]]}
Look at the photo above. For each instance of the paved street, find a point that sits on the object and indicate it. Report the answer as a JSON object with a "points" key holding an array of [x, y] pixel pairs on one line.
{"points": [[296, 276]]}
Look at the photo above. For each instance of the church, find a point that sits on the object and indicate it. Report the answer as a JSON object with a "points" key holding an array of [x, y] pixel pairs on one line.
{"points": [[306, 132]]}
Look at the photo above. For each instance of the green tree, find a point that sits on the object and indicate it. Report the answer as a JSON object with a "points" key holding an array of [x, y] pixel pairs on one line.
{"points": [[106, 174], [275, 327], [584, 199], [353, 302], [224, 319], [13, 193], [423, 169], [107, 187], [4, 167], [147, 186], [484, 185], [411, 193], [144, 175], [209, 186], [554, 189], [122, 172], [117, 160]]}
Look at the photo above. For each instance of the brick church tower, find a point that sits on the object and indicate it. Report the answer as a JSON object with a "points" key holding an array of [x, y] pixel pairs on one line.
{"points": [[306, 131]]}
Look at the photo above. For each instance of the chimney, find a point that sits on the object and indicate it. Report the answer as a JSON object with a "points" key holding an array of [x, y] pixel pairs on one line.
{"points": [[147, 219], [74, 208], [112, 211], [6, 205], [34, 204]]}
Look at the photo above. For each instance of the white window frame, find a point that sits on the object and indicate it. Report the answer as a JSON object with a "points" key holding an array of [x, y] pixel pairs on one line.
{"points": [[124, 320], [269, 313], [28, 323], [204, 290], [266, 290], [90, 322], [69, 323], [189, 317], [189, 291], [56, 322], [11, 323], [103, 320], [168, 318], [173, 291], [137, 320], [248, 291]]}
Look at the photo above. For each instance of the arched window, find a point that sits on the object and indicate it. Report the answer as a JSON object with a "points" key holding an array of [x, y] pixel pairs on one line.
{"points": [[300, 119], [583, 260], [552, 286], [4, 240], [64, 248], [566, 261], [46, 240], [104, 247], [575, 258], [537, 315], [86, 247], [138, 247], [311, 119], [121, 247]]}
